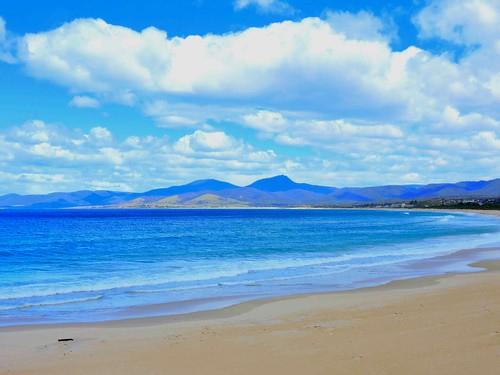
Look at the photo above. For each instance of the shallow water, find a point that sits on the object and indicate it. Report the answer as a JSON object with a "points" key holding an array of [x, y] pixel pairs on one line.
{"points": [[92, 265]]}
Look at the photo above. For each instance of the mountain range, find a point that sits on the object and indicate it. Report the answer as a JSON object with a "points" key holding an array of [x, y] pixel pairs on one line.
{"points": [[278, 191]]}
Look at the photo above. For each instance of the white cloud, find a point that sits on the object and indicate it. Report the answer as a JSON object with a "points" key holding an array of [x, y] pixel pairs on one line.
{"points": [[452, 120], [342, 66], [268, 6], [335, 87], [361, 25], [266, 121], [219, 145], [3, 32], [175, 120], [320, 133], [206, 142], [48, 151], [412, 178], [100, 134], [487, 140], [83, 101], [343, 129], [113, 155], [40, 157], [34, 131], [258, 63], [107, 185], [473, 82], [168, 116], [461, 21], [6, 44]]}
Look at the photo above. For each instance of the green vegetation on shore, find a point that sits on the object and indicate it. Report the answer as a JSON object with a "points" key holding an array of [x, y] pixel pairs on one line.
{"points": [[452, 203]]}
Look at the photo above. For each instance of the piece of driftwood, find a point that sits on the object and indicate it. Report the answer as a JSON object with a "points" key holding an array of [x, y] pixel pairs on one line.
{"points": [[64, 340]]}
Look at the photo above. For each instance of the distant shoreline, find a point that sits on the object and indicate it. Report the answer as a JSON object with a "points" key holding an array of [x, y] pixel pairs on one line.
{"points": [[275, 192], [491, 212]]}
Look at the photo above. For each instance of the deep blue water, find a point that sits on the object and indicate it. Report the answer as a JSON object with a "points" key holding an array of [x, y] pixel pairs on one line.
{"points": [[90, 265]]}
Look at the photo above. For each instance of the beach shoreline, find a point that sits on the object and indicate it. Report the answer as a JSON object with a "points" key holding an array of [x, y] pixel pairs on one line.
{"points": [[157, 315], [351, 331], [473, 258], [275, 323], [196, 306]]}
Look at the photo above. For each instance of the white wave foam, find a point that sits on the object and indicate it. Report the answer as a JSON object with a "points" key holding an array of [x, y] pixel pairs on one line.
{"points": [[51, 303], [202, 272]]}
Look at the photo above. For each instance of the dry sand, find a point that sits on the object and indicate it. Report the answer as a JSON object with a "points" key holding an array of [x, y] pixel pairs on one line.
{"points": [[438, 325]]}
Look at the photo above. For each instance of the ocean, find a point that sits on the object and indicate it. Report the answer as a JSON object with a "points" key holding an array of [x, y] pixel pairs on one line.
{"points": [[66, 266]]}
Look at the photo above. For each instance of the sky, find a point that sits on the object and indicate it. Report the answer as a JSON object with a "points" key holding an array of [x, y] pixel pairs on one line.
{"points": [[148, 94]]}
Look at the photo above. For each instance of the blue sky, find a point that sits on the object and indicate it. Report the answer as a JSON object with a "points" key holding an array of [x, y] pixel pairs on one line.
{"points": [[154, 93]]}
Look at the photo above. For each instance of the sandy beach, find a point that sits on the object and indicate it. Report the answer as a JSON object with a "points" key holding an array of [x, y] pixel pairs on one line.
{"points": [[432, 325]]}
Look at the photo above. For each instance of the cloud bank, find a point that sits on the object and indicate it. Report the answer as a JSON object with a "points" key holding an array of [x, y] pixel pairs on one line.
{"points": [[49, 157], [338, 102]]}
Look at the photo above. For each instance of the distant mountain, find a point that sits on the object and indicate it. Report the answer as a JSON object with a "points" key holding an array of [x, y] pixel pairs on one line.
{"points": [[195, 186], [284, 183], [87, 198], [64, 200], [278, 191]]}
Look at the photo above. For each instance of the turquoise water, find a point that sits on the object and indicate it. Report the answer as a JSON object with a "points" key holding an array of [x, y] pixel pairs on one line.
{"points": [[93, 265]]}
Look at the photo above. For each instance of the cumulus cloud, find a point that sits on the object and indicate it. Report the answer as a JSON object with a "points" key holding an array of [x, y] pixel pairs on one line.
{"points": [[452, 120], [342, 65], [362, 25], [332, 88], [266, 121], [461, 21], [486, 140], [206, 142], [255, 64], [83, 101], [319, 133], [473, 83], [41, 157], [100, 134], [219, 145], [267, 6], [406, 154]]}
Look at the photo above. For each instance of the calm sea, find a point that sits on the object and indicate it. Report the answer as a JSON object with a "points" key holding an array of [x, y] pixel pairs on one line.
{"points": [[93, 265]]}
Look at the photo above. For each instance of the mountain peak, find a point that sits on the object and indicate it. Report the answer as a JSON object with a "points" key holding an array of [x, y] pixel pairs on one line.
{"points": [[278, 178], [273, 184], [208, 181], [278, 191], [192, 187]]}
